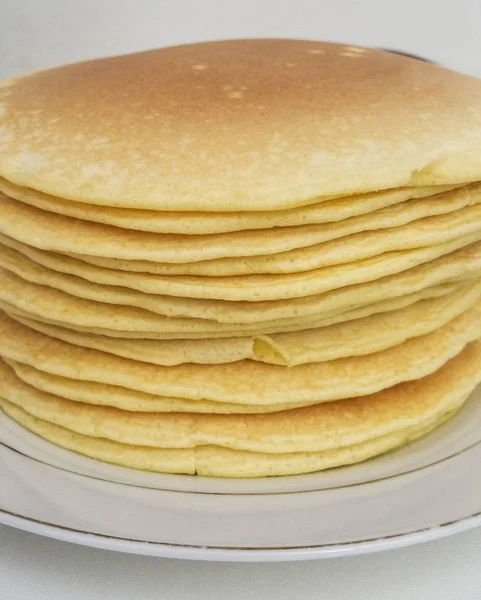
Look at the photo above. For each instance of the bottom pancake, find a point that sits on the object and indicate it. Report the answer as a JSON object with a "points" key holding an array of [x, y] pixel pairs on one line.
{"points": [[290, 442], [211, 461]]}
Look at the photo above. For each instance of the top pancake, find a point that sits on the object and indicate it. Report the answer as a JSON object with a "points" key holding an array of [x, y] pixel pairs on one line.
{"points": [[239, 125]]}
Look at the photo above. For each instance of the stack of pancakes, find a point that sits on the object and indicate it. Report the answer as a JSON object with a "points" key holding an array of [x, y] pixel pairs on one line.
{"points": [[239, 259]]}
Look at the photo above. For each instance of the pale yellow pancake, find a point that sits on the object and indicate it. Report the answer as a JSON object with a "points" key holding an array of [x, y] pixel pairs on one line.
{"points": [[201, 223], [211, 461], [408, 225], [258, 288], [349, 338], [310, 429], [246, 382], [49, 231], [295, 441], [335, 317], [101, 394], [161, 130], [49, 305], [365, 335], [181, 329], [237, 313]]}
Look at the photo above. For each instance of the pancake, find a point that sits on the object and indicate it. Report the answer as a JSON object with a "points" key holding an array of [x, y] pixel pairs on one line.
{"points": [[47, 305], [204, 272], [246, 382], [101, 394], [295, 441], [333, 318], [201, 223], [352, 338], [258, 288], [30, 270], [42, 303], [385, 233], [208, 127], [365, 335], [309, 429], [209, 461], [396, 303], [66, 309], [50, 231]]}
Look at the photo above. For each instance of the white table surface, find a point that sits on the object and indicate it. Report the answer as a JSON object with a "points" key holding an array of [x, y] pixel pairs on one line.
{"points": [[37, 34]]}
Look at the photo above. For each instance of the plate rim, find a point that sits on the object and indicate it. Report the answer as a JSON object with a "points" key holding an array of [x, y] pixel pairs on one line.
{"points": [[227, 554]]}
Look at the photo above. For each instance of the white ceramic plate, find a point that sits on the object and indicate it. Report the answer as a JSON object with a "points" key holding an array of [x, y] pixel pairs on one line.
{"points": [[424, 491]]}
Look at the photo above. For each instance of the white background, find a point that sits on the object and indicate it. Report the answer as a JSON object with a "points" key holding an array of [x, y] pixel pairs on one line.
{"points": [[41, 33]]}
